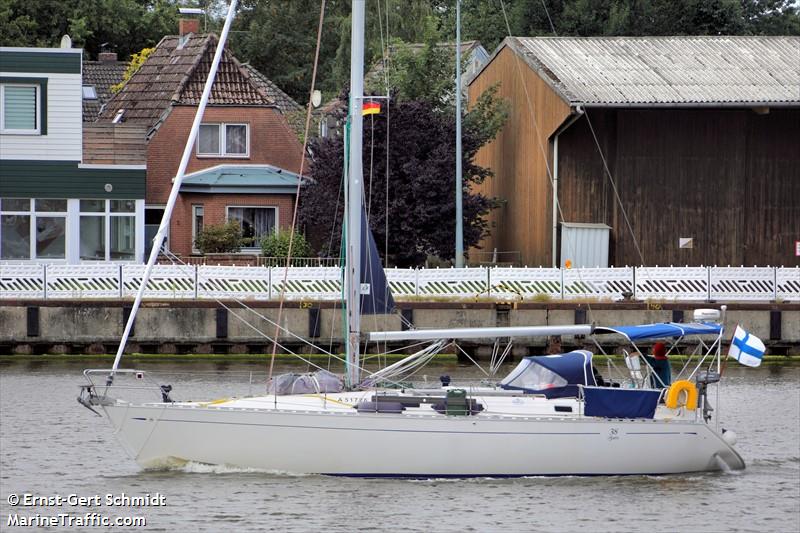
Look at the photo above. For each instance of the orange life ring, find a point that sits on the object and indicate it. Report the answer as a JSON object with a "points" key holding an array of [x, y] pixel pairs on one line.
{"points": [[677, 390]]}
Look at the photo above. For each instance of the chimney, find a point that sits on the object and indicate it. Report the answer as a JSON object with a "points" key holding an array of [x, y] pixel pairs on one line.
{"points": [[107, 56], [188, 26]]}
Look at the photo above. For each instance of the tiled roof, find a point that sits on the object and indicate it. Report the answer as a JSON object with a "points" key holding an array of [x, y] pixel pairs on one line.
{"points": [[666, 70], [293, 111], [101, 75], [175, 74], [284, 102]]}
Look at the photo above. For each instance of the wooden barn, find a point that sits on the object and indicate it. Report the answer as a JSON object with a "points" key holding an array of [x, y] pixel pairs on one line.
{"points": [[646, 150]]}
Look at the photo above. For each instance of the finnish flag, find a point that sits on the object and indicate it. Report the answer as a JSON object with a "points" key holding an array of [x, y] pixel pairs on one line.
{"points": [[745, 348]]}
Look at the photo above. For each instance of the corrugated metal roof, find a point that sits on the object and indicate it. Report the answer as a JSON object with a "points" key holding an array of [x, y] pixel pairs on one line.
{"points": [[667, 70], [263, 179]]}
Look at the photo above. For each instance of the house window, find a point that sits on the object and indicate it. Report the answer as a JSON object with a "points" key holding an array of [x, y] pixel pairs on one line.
{"points": [[256, 222], [197, 225], [152, 221], [107, 230], [223, 140], [19, 108], [33, 229], [89, 92]]}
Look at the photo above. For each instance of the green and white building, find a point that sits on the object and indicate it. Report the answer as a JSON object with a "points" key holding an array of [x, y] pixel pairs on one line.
{"points": [[53, 207]]}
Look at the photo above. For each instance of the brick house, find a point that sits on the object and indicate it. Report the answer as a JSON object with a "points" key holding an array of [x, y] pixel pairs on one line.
{"points": [[242, 125]]}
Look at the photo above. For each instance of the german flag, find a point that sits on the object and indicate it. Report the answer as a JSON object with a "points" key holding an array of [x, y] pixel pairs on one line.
{"points": [[371, 108]]}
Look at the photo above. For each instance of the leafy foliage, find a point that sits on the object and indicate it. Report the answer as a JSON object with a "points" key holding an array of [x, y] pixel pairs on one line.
{"points": [[420, 218], [425, 73], [124, 26], [221, 238], [486, 22], [278, 37], [137, 60], [277, 245]]}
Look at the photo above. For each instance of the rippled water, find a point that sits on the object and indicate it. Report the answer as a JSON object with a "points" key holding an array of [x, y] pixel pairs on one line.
{"points": [[50, 445]]}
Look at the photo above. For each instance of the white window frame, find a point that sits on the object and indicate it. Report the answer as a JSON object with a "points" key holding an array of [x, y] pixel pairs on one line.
{"points": [[257, 246], [106, 215], [38, 91], [223, 127], [33, 214]]}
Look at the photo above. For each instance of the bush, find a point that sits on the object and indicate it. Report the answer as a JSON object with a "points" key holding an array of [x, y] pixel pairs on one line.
{"points": [[277, 245], [221, 238]]}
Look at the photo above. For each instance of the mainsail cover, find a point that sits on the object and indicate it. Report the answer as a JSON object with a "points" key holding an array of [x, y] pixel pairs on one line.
{"points": [[377, 299]]}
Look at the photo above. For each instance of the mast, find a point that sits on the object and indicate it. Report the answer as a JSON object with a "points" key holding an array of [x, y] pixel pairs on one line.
{"points": [[354, 189], [459, 180], [176, 187]]}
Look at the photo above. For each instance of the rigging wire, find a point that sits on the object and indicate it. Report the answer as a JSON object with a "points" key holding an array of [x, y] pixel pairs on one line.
{"points": [[177, 261], [614, 188], [549, 172], [299, 184], [594, 137], [547, 12]]}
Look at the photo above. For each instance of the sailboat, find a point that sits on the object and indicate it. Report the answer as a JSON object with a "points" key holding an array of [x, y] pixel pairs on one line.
{"points": [[549, 416]]}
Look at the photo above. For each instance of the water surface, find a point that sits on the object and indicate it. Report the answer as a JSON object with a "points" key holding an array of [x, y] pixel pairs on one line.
{"points": [[50, 445]]}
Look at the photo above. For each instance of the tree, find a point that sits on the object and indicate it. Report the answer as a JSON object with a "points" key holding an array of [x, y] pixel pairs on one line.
{"points": [[484, 20], [124, 26], [771, 17], [421, 185], [421, 161], [278, 37]]}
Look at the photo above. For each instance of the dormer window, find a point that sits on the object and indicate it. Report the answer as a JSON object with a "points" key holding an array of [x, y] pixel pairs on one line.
{"points": [[223, 140], [89, 92]]}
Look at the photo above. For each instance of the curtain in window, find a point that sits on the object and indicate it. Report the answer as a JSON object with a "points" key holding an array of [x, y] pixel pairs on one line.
{"points": [[256, 222], [236, 139], [208, 139], [264, 222]]}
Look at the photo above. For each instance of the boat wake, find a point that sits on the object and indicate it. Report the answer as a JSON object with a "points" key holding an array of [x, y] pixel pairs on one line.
{"points": [[193, 467], [725, 468]]}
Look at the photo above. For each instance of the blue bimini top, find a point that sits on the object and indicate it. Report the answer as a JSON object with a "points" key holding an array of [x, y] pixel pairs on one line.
{"points": [[555, 376], [667, 329]]}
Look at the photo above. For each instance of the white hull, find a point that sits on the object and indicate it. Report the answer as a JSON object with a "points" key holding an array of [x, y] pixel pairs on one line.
{"points": [[370, 444]]}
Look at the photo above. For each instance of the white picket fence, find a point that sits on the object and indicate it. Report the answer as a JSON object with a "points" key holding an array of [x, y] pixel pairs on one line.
{"points": [[102, 281]]}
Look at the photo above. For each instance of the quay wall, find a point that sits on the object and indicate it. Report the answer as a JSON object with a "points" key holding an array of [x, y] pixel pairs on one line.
{"points": [[32, 327]]}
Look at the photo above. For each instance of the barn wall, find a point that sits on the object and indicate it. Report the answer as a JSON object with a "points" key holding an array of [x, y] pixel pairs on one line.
{"points": [[519, 158], [730, 179]]}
